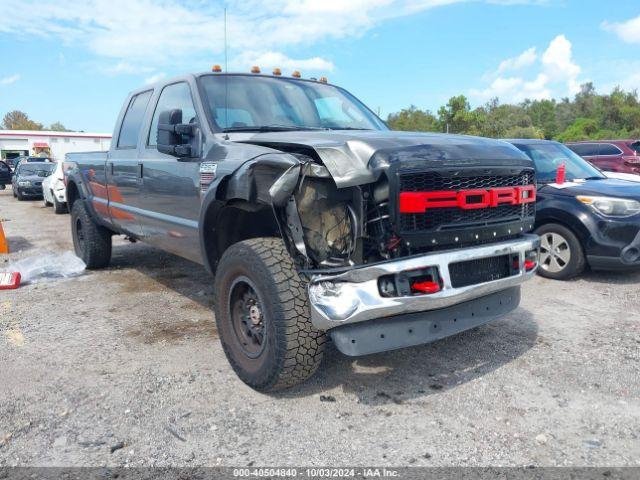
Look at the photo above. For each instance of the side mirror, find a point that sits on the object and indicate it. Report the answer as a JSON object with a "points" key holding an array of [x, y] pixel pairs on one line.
{"points": [[173, 135]]}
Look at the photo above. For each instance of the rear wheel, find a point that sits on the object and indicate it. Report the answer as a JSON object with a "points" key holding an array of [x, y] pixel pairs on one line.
{"points": [[263, 319], [58, 207], [561, 254], [92, 242]]}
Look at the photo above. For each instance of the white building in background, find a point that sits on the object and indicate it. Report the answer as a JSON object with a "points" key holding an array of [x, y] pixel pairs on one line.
{"points": [[14, 143]]}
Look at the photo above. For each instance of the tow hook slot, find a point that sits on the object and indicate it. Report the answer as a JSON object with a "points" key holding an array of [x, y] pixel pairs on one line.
{"points": [[423, 281], [530, 261]]}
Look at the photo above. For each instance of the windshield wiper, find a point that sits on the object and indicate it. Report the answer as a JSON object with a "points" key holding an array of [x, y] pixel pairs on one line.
{"points": [[269, 128], [349, 128]]}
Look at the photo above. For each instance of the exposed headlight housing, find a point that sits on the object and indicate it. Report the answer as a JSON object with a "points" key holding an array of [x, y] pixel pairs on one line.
{"points": [[611, 207], [24, 183]]}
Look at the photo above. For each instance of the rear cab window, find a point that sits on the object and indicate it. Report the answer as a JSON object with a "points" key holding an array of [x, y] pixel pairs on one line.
{"points": [[132, 121]]}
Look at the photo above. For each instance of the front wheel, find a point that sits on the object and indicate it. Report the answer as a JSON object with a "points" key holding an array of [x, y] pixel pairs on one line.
{"points": [[263, 319], [92, 242], [561, 254]]}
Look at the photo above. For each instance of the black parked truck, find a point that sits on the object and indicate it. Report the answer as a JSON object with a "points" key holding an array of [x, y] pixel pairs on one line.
{"points": [[316, 220]]}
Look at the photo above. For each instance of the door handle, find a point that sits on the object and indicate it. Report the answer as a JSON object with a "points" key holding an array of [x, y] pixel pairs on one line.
{"points": [[140, 170]]}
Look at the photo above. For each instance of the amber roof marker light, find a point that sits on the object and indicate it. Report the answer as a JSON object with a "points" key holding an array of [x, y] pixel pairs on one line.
{"points": [[216, 69], [296, 74], [277, 72], [255, 69], [323, 80]]}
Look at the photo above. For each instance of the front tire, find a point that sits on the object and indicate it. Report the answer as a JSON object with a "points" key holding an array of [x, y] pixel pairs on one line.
{"points": [[561, 254], [45, 201], [263, 318], [20, 196], [92, 242]]}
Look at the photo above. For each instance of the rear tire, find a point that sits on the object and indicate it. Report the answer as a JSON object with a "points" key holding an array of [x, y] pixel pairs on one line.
{"points": [[92, 242], [561, 254], [58, 207], [263, 318]]}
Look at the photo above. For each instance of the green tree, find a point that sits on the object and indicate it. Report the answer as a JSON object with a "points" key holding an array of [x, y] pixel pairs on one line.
{"points": [[17, 120], [58, 127], [456, 117], [581, 129], [523, 132], [500, 121], [414, 120], [543, 116], [588, 115]]}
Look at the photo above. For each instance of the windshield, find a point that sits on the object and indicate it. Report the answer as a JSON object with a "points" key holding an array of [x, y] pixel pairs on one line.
{"points": [[37, 168], [250, 103], [547, 157]]}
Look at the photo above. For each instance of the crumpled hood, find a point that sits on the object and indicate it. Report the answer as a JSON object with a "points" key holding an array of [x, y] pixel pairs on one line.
{"points": [[356, 157]]}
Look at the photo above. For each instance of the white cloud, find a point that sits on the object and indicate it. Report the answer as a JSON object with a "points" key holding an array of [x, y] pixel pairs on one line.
{"points": [[628, 31], [9, 80], [267, 60], [552, 74], [144, 35], [155, 78], [559, 65], [525, 59], [126, 67]]}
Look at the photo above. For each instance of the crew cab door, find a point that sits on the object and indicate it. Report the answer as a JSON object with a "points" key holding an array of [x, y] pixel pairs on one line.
{"points": [[124, 170], [171, 188]]}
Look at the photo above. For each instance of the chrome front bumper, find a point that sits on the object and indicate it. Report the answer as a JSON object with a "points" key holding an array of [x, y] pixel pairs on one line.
{"points": [[354, 296]]}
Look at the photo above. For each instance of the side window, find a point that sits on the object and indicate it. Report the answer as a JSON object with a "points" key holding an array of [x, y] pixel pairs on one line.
{"points": [[3, 167], [132, 121], [609, 149], [173, 96], [585, 149]]}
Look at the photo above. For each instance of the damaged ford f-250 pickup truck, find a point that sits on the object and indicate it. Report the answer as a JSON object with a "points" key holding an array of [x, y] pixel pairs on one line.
{"points": [[315, 218]]}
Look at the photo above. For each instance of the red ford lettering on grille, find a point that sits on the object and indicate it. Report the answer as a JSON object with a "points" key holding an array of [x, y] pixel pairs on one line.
{"points": [[419, 202]]}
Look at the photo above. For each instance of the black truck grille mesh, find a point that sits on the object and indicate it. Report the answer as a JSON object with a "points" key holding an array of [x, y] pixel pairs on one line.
{"points": [[480, 270], [451, 218]]}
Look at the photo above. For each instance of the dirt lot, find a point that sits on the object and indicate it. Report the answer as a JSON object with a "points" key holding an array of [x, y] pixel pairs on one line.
{"points": [[130, 355]]}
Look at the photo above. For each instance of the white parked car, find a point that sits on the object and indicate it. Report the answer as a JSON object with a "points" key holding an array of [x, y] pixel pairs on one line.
{"points": [[54, 190]]}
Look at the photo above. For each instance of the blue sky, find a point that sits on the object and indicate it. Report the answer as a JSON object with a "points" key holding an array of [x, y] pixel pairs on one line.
{"points": [[74, 61]]}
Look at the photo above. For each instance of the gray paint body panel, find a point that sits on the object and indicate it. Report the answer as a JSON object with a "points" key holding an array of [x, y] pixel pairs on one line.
{"points": [[163, 218]]}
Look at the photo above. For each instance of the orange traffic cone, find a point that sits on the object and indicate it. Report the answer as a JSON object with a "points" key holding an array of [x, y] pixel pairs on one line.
{"points": [[4, 246]]}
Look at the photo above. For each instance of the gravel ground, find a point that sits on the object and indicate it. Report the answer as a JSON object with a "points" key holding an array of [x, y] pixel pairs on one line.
{"points": [[127, 359]]}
